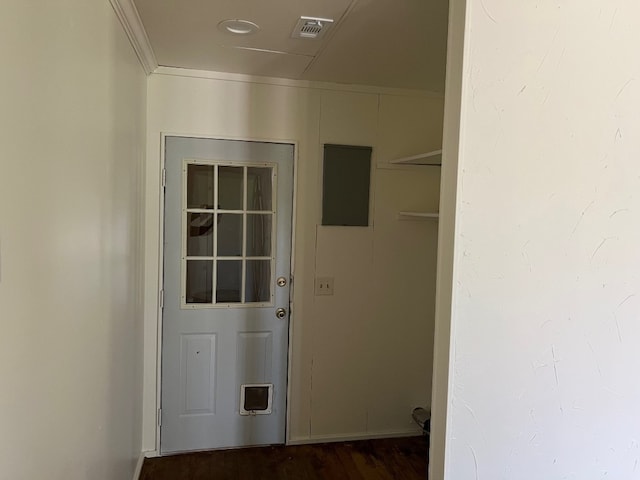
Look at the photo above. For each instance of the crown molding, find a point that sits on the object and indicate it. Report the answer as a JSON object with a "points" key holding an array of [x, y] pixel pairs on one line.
{"points": [[287, 82], [127, 13]]}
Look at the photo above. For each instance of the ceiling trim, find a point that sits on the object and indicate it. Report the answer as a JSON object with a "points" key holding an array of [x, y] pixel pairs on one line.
{"points": [[287, 82], [128, 15]]}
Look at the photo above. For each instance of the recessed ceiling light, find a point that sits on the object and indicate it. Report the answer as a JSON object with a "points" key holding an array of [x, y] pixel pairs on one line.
{"points": [[238, 27]]}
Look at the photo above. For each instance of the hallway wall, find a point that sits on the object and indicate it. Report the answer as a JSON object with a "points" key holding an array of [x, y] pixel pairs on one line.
{"points": [[72, 123]]}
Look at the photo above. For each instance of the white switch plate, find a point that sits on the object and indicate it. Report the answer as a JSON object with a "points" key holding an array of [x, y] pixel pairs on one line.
{"points": [[324, 286]]}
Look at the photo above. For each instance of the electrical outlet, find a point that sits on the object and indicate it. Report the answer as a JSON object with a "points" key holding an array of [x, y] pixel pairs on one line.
{"points": [[324, 286]]}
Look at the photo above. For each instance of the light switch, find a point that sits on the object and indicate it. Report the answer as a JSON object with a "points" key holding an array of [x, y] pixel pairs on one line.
{"points": [[324, 286]]}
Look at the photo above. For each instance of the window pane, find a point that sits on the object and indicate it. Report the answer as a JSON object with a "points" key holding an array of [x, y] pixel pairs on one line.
{"points": [[230, 188], [258, 288], [229, 234], [259, 194], [229, 281], [199, 234], [199, 281], [200, 182], [259, 235]]}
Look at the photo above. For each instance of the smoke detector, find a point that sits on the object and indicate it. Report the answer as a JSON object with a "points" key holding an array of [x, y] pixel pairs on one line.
{"points": [[311, 27]]}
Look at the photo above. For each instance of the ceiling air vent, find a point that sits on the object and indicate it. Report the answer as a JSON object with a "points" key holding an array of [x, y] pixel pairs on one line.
{"points": [[311, 27]]}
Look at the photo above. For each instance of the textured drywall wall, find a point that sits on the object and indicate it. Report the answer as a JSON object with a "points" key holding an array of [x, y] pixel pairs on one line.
{"points": [[545, 325]]}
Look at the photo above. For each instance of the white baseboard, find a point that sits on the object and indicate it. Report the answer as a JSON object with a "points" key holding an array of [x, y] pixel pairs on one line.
{"points": [[141, 457], [138, 470], [151, 453], [351, 437]]}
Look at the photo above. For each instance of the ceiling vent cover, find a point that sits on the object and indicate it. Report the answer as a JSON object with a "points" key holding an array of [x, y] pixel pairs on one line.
{"points": [[311, 27]]}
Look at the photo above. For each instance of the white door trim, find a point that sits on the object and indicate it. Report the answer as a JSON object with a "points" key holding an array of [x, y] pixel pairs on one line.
{"points": [[295, 143], [456, 85]]}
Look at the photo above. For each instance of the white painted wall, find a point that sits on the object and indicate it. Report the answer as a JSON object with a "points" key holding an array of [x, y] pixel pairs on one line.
{"points": [[372, 340], [361, 360], [546, 276], [72, 122]]}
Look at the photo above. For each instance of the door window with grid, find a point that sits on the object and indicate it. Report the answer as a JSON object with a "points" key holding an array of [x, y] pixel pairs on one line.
{"points": [[228, 220]]}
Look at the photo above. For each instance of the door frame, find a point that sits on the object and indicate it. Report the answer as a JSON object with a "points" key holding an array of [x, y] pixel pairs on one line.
{"points": [[161, 178]]}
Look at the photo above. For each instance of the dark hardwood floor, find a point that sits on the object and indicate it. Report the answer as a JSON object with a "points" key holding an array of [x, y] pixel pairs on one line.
{"points": [[386, 459]]}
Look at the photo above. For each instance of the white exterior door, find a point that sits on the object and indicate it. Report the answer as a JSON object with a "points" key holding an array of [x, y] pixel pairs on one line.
{"points": [[227, 253]]}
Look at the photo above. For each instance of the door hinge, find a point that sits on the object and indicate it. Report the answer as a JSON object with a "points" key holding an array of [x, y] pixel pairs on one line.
{"points": [[163, 180], [161, 298], [159, 417]]}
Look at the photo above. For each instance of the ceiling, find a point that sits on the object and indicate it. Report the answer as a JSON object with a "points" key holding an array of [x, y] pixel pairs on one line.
{"points": [[390, 43]]}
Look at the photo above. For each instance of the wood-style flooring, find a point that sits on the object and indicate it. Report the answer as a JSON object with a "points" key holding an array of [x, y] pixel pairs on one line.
{"points": [[386, 459]]}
